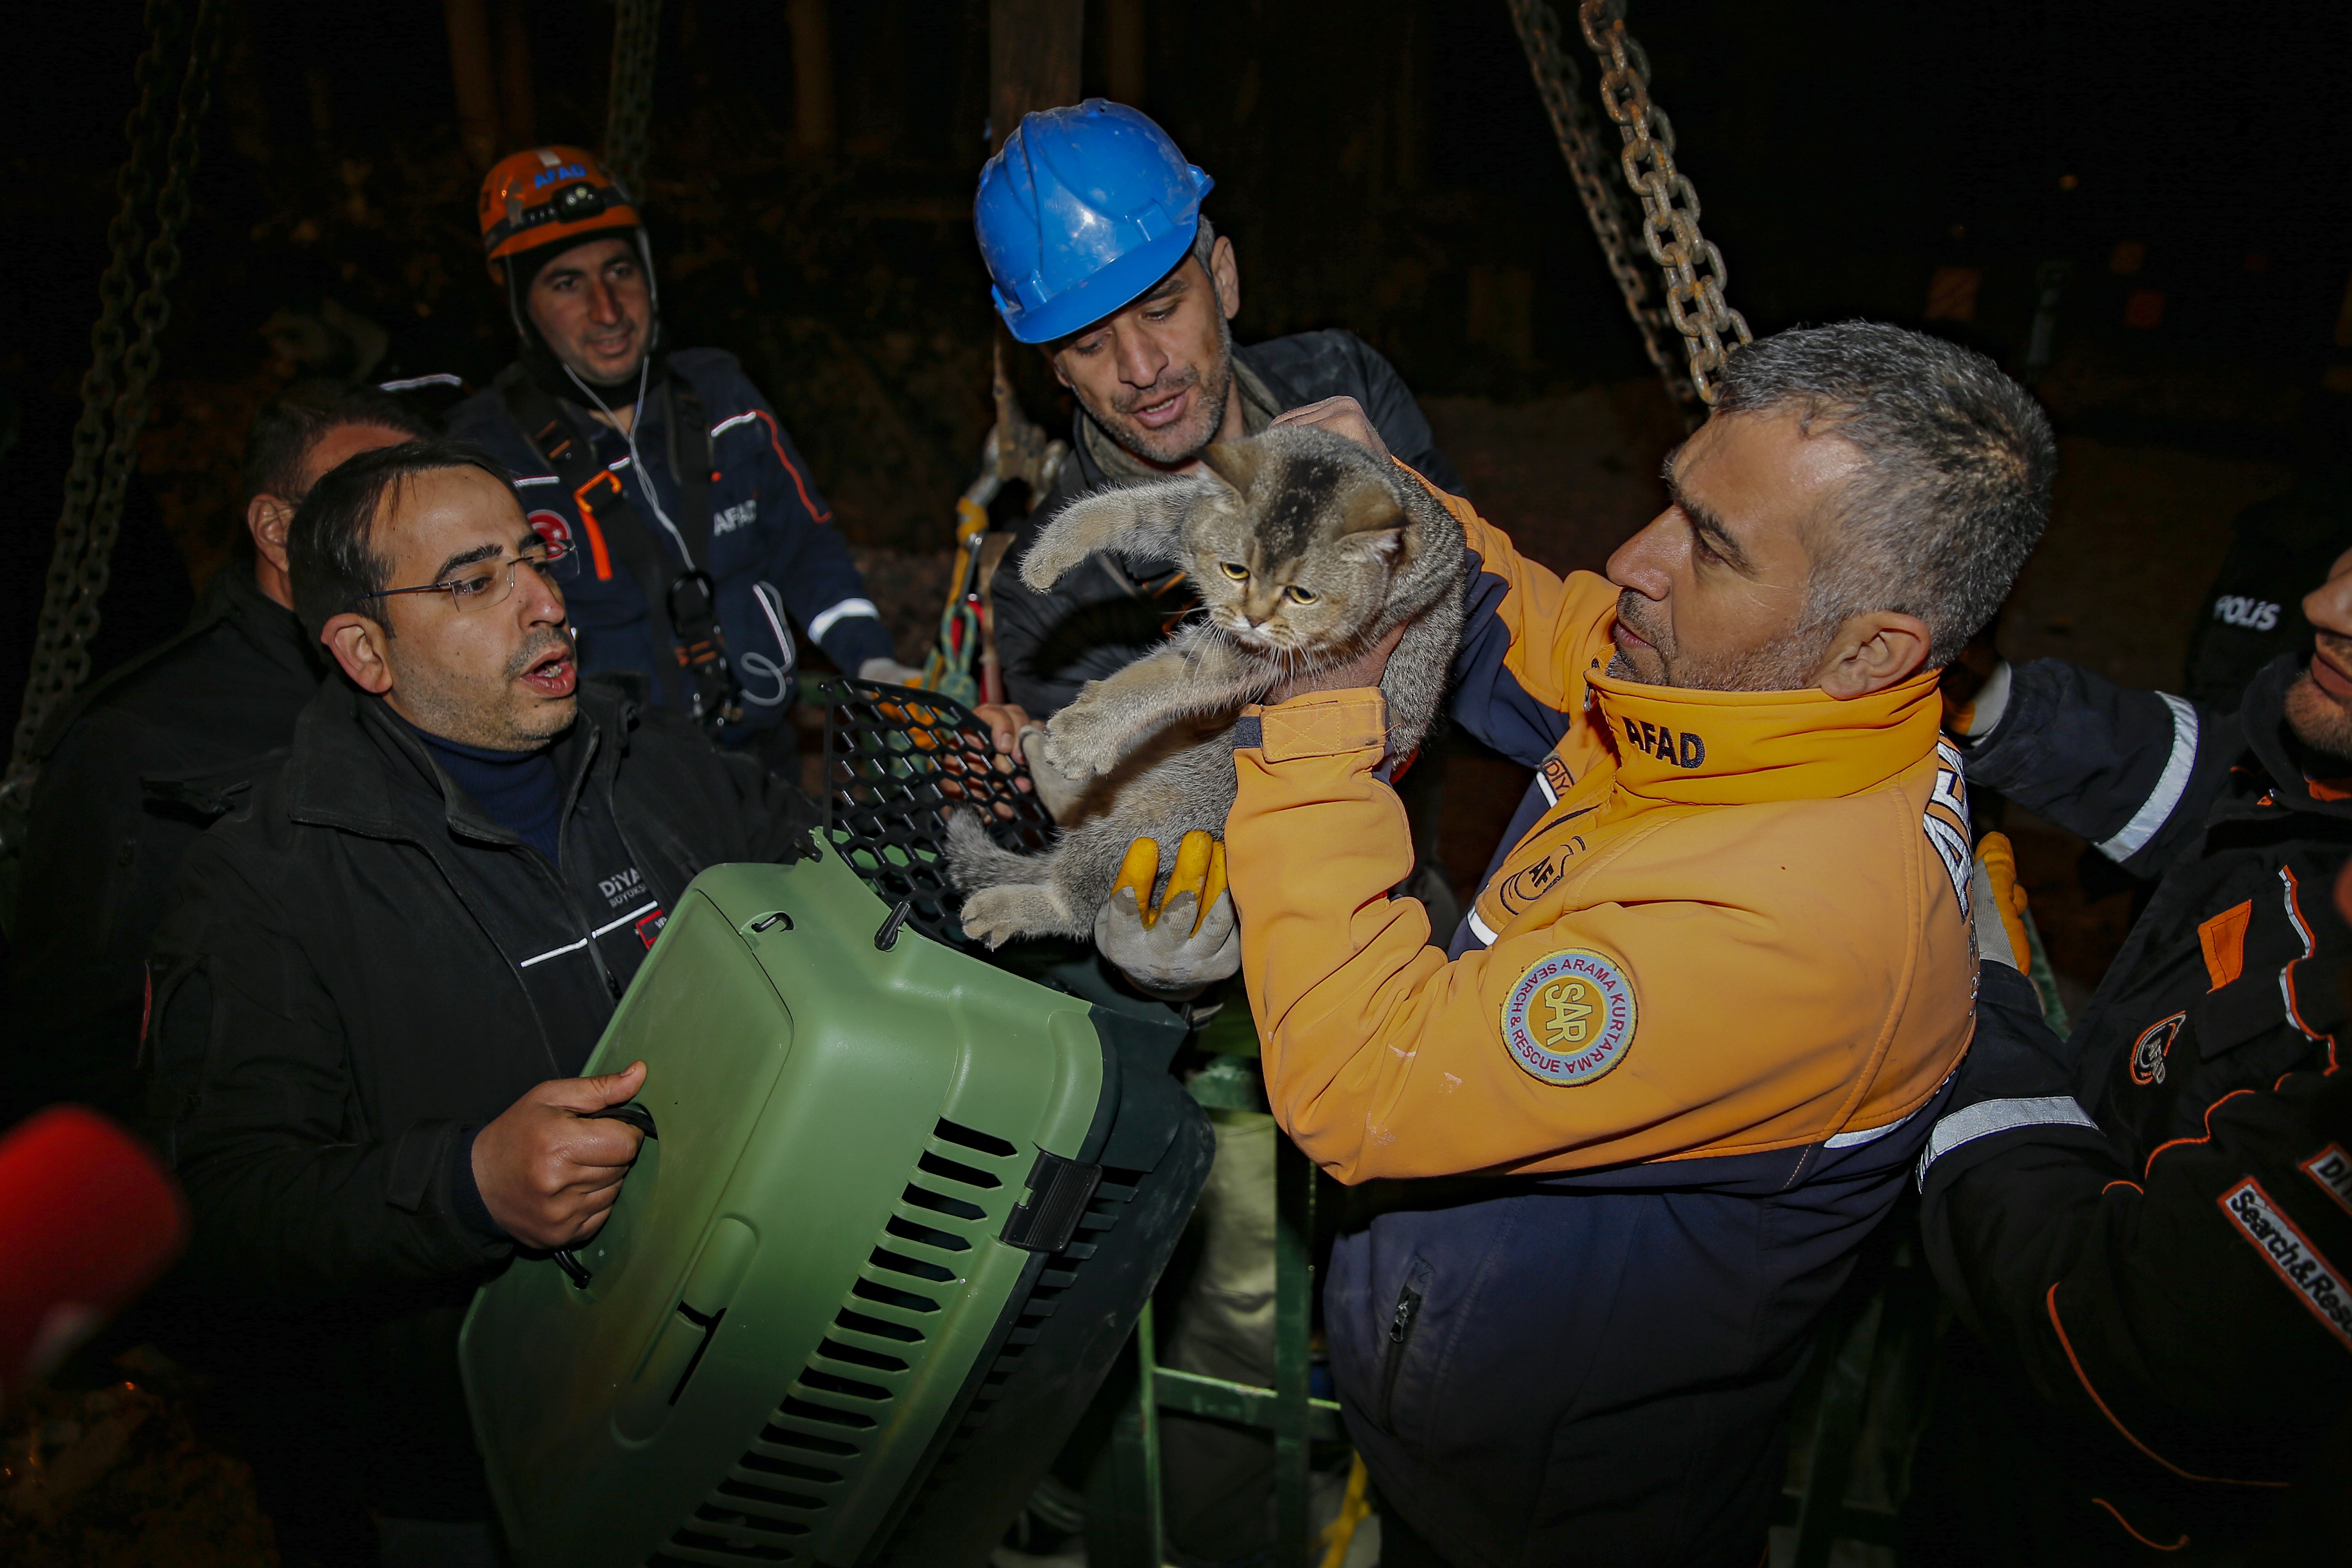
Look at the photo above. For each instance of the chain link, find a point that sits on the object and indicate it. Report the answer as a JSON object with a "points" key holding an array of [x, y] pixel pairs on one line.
{"points": [[132, 295], [629, 111], [1696, 273], [1561, 87]]}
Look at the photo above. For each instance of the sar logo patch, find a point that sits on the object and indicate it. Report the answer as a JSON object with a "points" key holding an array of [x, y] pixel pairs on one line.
{"points": [[2153, 1045], [1570, 1019]]}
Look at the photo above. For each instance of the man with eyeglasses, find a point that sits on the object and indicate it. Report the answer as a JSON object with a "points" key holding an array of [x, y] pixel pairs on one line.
{"points": [[389, 966]]}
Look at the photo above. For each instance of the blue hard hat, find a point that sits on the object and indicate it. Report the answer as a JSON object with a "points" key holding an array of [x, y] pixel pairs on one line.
{"points": [[1084, 208]]}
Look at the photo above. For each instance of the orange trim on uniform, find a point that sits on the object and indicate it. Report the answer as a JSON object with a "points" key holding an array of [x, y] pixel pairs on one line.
{"points": [[776, 440], [2224, 941], [2123, 1182], [596, 551], [2075, 1362], [2182, 1143], [2117, 1515]]}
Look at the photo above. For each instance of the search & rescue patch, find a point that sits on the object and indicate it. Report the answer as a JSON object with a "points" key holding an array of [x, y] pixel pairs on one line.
{"points": [[2291, 1254], [1570, 1019]]}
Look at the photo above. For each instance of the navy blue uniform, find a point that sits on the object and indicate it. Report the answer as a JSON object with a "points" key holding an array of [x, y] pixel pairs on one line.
{"points": [[776, 558]]}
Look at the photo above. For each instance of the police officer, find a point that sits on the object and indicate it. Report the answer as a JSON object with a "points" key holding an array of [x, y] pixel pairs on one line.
{"points": [[2278, 548], [704, 539]]}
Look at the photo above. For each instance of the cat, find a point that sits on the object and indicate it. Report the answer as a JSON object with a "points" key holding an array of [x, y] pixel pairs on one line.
{"points": [[1307, 550]]}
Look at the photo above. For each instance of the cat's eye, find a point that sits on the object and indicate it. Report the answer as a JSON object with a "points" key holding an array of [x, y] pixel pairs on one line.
{"points": [[1298, 595], [1238, 574]]}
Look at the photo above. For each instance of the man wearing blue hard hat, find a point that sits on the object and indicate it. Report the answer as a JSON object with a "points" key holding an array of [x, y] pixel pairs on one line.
{"points": [[1090, 223]]}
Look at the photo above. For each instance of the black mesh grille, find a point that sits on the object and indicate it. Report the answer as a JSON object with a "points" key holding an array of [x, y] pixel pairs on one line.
{"points": [[896, 762]]}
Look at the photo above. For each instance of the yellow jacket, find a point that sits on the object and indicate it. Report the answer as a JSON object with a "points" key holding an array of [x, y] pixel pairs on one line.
{"points": [[1739, 927]]}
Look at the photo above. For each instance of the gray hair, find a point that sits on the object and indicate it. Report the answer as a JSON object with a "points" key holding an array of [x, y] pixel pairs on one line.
{"points": [[1204, 239], [1954, 488]]}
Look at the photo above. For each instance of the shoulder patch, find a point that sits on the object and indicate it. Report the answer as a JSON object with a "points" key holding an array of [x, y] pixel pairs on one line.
{"points": [[1570, 1019]]}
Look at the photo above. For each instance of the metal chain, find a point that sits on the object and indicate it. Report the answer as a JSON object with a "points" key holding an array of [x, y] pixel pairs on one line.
{"points": [[629, 111], [149, 312], [1696, 273], [1561, 87], [115, 388]]}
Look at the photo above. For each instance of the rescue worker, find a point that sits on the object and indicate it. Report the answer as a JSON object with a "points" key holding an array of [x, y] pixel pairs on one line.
{"points": [[1090, 222], [704, 540], [140, 762], [2148, 1224], [390, 961], [1693, 1030]]}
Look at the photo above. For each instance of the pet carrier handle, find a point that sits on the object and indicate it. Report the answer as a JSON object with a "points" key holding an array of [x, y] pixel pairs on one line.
{"points": [[636, 1115]]}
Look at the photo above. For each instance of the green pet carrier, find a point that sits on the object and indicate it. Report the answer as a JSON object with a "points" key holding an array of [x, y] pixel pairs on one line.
{"points": [[897, 1210]]}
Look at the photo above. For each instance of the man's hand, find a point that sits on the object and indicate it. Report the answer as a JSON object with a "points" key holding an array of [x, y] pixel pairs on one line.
{"points": [[1171, 948], [1006, 721], [1341, 417], [548, 1175]]}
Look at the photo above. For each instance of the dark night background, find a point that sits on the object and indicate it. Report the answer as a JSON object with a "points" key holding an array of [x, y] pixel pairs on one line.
{"points": [[1383, 166]]}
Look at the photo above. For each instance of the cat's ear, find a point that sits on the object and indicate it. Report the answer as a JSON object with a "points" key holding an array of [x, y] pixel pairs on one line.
{"points": [[1235, 462], [1371, 520]]}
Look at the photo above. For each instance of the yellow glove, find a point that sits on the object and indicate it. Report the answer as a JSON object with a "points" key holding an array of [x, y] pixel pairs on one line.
{"points": [[2000, 904], [1188, 938]]}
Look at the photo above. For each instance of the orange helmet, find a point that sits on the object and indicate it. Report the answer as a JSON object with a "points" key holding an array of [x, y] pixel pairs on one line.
{"points": [[547, 196]]}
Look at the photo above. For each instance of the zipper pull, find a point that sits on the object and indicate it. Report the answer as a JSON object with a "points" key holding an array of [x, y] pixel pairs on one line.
{"points": [[1401, 1323]]}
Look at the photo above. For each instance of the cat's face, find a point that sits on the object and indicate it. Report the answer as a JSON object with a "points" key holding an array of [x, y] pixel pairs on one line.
{"points": [[1294, 560]]}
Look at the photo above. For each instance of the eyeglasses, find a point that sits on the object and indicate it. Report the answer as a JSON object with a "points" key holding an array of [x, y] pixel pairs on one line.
{"points": [[492, 583]]}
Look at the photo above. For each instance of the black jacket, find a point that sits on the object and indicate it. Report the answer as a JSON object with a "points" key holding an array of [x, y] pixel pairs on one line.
{"points": [[2152, 1217], [131, 774], [1105, 614], [362, 969]]}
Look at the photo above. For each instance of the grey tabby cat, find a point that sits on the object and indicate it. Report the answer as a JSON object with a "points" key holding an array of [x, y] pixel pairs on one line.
{"points": [[1307, 550]]}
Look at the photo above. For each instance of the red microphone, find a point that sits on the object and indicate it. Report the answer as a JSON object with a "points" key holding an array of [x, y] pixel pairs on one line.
{"points": [[87, 1217]]}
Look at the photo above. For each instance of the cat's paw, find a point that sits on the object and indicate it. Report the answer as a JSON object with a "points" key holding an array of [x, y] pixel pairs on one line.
{"points": [[994, 915], [1051, 553], [1082, 744]]}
